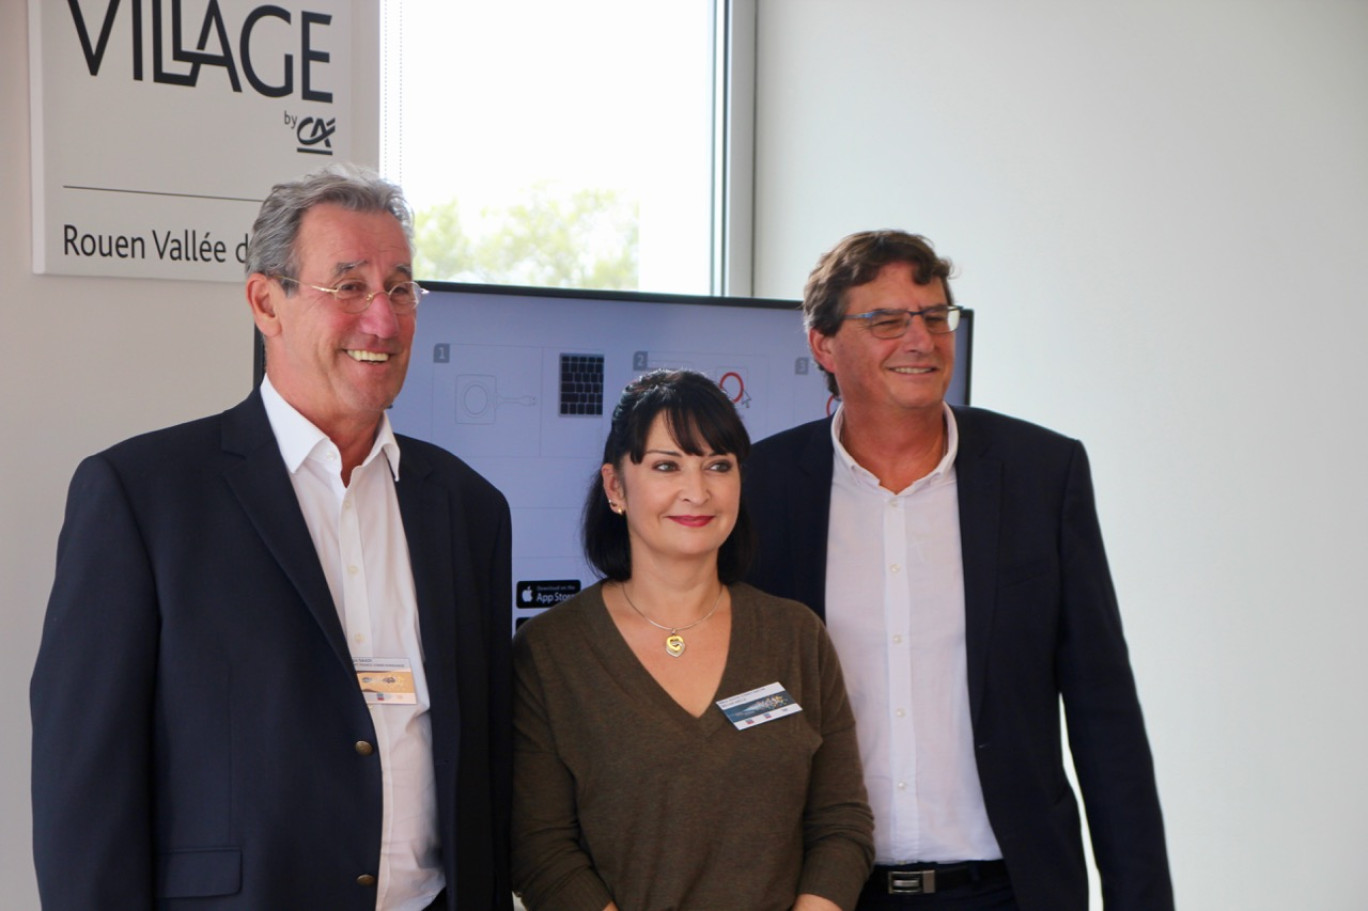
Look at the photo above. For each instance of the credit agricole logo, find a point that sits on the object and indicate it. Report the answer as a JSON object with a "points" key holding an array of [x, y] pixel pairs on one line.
{"points": [[198, 43]]}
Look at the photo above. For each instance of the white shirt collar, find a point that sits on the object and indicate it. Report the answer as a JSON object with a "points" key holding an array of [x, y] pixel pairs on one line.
{"points": [[942, 469], [298, 438]]}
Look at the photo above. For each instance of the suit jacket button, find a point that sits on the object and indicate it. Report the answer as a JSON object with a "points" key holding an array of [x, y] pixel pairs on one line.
{"points": [[365, 879], [364, 748]]}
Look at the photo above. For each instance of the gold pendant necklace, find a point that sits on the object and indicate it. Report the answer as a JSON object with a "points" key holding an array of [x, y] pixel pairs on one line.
{"points": [[674, 643]]}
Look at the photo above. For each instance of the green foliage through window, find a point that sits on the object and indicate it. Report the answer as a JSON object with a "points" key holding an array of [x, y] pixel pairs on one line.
{"points": [[586, 238]]}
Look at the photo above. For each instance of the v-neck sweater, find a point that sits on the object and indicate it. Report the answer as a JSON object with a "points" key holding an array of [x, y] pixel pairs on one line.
{"points": [[622, 795]]}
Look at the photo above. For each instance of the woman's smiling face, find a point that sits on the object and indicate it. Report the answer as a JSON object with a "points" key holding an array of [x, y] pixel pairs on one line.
{"points": [[678, 506]]}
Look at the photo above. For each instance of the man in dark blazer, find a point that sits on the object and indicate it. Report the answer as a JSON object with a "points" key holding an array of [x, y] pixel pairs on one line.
{"points": [[957, 558], [274, 668]]}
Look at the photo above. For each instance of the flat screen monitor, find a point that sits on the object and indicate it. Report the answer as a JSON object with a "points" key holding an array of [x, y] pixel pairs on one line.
{"points": [[521, 384]]}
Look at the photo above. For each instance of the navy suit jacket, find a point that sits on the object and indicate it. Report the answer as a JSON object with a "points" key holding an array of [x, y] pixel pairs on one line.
{"points": [[199, 737], [1041, 623]]}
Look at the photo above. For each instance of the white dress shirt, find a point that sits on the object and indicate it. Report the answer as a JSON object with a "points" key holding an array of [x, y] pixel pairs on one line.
{"points": [[359, 536], [895, 611]]}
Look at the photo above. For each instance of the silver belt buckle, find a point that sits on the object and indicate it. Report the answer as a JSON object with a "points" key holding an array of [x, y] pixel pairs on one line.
{"points": [[912, 882]]}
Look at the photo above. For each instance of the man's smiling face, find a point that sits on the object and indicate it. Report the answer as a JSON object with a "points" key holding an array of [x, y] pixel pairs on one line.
{"points": [[338, 368], [887, 377]]}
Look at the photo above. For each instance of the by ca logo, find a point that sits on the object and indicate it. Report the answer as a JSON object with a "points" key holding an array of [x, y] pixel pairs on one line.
{"points": [[315, 135]]}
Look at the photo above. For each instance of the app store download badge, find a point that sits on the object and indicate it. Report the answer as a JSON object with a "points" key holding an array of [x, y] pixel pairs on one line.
{"points": [[546, 593]]}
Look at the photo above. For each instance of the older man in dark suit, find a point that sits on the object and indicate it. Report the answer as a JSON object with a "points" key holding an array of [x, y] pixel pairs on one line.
{"points": [[274, 669], [956, 557]]}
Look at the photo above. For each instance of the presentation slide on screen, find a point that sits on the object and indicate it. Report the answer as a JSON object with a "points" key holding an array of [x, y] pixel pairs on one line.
{"points": [[522, 387]]}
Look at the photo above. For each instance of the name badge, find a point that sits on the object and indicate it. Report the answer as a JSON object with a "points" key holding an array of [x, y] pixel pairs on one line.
{"points": [[758, 706], [386, 681]]}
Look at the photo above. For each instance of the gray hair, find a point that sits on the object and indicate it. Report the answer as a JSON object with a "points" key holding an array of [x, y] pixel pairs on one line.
{"points": [[271, 249]]}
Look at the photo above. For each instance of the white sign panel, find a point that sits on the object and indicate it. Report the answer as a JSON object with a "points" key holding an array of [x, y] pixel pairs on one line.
{"points": [[159, 125]]}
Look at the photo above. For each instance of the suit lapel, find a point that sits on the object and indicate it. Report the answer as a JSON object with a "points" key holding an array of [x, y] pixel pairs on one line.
{"points": [[979, 480], [262, 486], [810, 516], [425, 511]]}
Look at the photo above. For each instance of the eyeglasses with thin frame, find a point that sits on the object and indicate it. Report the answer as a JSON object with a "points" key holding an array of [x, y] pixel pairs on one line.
{"points": [[352, 296], [939, 320]]}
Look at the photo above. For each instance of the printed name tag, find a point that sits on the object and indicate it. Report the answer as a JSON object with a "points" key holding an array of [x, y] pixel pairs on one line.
{"points": [[758, 706], [386, 681]]}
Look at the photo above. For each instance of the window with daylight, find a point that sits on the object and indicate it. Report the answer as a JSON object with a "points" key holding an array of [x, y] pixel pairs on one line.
{"points": [[555, 144]]}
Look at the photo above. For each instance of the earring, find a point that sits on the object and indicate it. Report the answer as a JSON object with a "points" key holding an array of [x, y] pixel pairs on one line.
{"points": [[616, 508]]}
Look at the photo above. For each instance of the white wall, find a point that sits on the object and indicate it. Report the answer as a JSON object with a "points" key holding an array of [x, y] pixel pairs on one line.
{"points": [[1159, 210], [88, 362]]}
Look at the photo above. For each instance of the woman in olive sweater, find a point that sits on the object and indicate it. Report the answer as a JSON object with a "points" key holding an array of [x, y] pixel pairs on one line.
{"points": [[683, 741]]}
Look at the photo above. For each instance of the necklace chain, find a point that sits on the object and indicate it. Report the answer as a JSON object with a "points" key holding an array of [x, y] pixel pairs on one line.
{"points": [[674, 643]]}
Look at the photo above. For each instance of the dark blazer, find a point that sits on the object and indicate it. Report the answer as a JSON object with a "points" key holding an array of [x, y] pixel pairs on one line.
{"points": [[1041, 623], [199, 739]]}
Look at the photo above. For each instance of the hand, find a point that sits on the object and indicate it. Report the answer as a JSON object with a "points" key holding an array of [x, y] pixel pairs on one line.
{"points": [[809, 902]]}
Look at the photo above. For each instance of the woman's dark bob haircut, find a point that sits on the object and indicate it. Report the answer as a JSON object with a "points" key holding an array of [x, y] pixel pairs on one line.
{"points": [[702, 420]]}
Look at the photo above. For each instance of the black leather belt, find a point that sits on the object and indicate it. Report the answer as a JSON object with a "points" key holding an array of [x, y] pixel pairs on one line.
{"points": [[923, 879]]}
